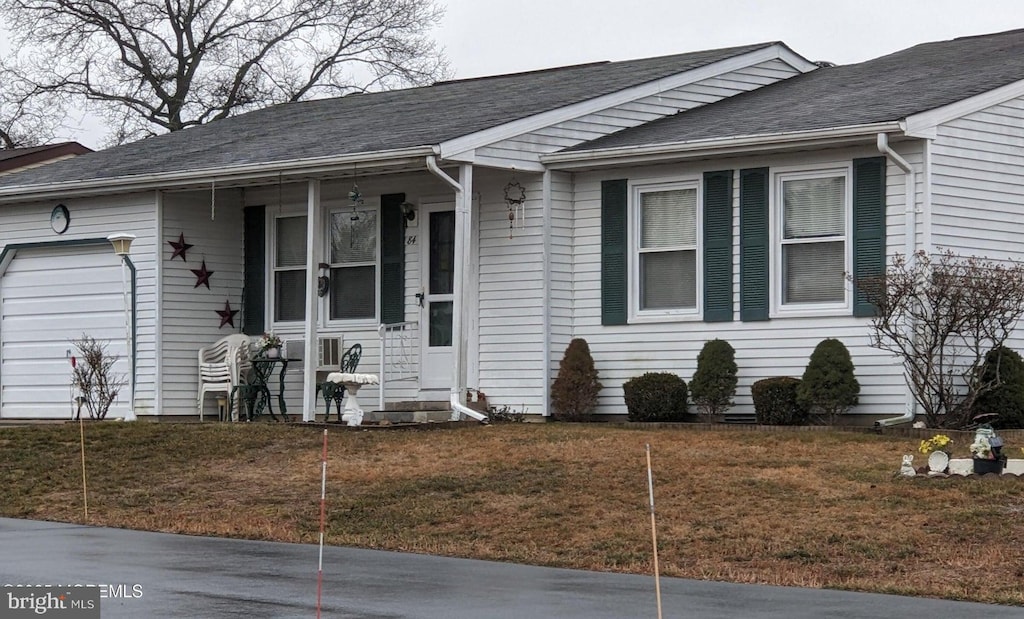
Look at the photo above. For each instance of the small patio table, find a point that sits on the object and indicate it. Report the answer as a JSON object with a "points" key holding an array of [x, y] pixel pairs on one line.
{"points": [[257, 394]]}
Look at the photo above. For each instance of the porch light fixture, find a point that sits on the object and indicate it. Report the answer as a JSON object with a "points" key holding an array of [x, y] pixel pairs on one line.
{"points": [[408, 213], [122, 244], [515, 198]]}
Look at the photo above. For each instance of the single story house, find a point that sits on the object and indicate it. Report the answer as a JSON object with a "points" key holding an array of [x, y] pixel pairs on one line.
{"points": [[464, 232]]}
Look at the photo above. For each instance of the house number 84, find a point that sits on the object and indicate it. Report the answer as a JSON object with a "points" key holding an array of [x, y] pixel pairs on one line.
{"points": [[410, 240]]}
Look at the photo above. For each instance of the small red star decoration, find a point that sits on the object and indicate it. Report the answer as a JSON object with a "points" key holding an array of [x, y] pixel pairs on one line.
{"points": [[202, 276], [227, 315], [180, 247]]}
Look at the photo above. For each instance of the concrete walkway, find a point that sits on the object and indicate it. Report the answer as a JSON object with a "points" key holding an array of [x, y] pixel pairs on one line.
{"points": [[162, 575]]}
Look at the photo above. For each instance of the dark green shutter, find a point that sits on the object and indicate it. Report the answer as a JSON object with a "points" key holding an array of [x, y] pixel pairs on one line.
{"points": [[754, 245], [613, 252], [718, 246], [868, 225], [392, 259], [254, 282]]}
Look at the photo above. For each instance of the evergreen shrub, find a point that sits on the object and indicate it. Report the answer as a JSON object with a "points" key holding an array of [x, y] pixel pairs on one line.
{"points": [[714, 383], [1003, 406], [656, 396], [828, 387], [775, 402], [574, 392]]}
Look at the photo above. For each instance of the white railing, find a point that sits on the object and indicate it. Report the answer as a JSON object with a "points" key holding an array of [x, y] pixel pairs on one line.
{"points": [[399, 354]]}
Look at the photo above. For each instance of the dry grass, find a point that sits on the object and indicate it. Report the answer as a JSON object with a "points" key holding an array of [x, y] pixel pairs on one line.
{"points": [[819, 509]]}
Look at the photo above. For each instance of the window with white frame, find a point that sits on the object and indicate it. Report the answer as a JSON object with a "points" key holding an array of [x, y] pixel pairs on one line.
{"points": [[665, 243], [289, 269], [812, 211], [353, 259]]}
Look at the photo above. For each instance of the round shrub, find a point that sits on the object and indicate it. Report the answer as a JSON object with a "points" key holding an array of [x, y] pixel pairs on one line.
{"points": [[574, 392], [656, 396], [775, 402], [1002, 406], [828, 387], [714, 382]]}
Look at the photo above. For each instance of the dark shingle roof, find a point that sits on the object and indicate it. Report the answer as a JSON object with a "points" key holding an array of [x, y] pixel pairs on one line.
{"points": [[921, 78], [371, 122]]}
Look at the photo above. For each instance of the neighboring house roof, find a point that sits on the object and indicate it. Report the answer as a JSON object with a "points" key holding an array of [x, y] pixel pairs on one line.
{"points": [[375, 122], [890, 88], [17, 158]]}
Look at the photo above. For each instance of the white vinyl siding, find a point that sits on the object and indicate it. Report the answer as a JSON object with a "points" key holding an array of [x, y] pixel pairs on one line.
{"points": [[97, 218], [592, 126], [778, 347], [977, 194]]}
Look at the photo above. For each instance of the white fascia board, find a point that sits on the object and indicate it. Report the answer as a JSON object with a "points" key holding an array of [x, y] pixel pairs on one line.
{"points": [[530, 164], [925, 123], [776, 51], [225, 174], [627, 155]]}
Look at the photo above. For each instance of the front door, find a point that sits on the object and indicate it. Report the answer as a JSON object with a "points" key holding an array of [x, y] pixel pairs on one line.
{"points": [[438, 284]]}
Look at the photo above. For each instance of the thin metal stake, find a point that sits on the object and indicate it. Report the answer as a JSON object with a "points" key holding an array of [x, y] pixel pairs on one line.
{"points": [[654, 530], [323, 512], [85, 490]]}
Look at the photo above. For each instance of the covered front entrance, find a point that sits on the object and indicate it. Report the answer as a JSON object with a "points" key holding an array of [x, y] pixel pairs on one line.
{"points": [[438, 284]]}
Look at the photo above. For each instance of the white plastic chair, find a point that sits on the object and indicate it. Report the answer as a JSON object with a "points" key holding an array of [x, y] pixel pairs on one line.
{"points": [[223, 366]]}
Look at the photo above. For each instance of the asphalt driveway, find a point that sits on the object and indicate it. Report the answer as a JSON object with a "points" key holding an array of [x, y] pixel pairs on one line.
{"points": [[162, 575]]}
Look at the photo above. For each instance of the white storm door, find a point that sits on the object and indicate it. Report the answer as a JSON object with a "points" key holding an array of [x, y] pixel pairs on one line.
{"points": [[438, 284]]}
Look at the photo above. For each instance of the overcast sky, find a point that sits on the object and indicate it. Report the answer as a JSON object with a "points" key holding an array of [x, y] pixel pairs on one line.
{"points": [[488, 37]]}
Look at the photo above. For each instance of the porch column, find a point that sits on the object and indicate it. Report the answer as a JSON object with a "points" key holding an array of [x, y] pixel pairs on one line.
{"points": [[314, 243], [463, 257]]}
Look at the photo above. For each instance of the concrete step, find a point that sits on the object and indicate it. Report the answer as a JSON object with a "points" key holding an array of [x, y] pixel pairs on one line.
{"points": [[417, 405], [409, 416]]}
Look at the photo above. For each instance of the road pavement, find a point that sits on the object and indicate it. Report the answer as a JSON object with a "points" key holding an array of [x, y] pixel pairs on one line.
{"points": [[145, 575]]}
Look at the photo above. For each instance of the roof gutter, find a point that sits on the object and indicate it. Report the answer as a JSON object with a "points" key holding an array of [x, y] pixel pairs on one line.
{"points": [[226, 174], [909, 248], [712, 147]]}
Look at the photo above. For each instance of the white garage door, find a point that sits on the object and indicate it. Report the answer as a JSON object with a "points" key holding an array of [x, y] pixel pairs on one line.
{"points": [[49, 297]]}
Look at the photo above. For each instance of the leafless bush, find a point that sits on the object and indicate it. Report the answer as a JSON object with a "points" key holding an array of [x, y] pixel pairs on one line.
{"points": [[93, 375], [940, 316]]}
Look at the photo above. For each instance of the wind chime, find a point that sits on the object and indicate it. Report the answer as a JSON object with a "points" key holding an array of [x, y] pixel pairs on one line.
{"points": [[515, 198], [356, 198]]}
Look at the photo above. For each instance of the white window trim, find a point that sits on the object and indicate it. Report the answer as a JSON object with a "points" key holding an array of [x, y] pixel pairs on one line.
{"points": [[271, 270], [337, 206], [778, 308], [636, 315]]}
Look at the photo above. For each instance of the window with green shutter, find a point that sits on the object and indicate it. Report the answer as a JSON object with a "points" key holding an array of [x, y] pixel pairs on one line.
{"points": [[254, 280], [868, 225], [718, 246], [614, 199], [754, 244], [392, 258]]}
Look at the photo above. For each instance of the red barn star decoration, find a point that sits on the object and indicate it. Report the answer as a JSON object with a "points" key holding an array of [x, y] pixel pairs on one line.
{"points": [[202, 276], [227, 315], [180, 247]]}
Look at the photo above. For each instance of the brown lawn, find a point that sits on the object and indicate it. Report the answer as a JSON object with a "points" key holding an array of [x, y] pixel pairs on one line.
{"points": [[810, 509]]}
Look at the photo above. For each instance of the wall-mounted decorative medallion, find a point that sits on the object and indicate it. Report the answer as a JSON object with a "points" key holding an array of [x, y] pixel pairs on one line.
{"points": [[60, 219]]}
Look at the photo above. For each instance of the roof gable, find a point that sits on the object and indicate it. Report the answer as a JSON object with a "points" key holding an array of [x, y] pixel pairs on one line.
{"points": [[890, 88]]}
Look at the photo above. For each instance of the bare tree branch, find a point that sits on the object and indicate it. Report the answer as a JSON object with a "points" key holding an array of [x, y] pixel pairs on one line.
{"points": [[150, 66], [941, 317]]}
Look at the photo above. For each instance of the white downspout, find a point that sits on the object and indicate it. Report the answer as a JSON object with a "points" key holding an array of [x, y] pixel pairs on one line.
{"points": [[463, 210], [546, 295], [909, 249]]}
